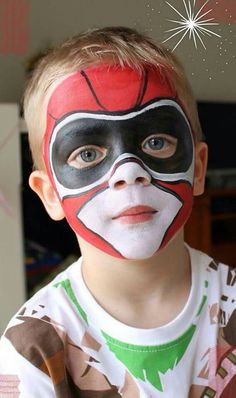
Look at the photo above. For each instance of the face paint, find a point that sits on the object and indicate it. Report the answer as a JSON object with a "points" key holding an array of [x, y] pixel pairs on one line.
{"points": [[119, 151]]}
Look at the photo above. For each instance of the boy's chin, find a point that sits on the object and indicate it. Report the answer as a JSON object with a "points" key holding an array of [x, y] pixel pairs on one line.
{"points": [[133, 251], [139, 253]]}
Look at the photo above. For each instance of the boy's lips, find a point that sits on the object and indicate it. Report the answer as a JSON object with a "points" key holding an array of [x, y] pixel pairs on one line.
{"points": [[136, 214]]}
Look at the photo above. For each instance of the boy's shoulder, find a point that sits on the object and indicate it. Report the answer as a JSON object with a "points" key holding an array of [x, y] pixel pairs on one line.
{"points": [[50, 299], [61, 278], [43, 322], [210, 264], [68, 288], [219, 282]]}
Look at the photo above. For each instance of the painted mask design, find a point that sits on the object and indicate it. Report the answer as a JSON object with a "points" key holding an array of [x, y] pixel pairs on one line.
{"points": [[119, 152]]}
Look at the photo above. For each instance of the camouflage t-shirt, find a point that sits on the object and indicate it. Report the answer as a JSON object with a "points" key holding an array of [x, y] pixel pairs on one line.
{"points": [[63, 344]]}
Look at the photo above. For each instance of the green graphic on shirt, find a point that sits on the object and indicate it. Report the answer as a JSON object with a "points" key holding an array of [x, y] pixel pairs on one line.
{"points": [[204, 299], [146, 362], [67, 286]]}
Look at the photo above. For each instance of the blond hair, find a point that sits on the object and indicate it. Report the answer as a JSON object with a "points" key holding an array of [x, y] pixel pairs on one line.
{"points": [[112, 45]]}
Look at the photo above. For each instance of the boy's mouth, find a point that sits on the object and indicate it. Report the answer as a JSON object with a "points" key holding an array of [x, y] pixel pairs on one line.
{"points": [[136, 214]]}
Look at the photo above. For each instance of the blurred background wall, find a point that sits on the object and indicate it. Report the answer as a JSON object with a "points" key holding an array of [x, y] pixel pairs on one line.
{"points": [[211, 70]]}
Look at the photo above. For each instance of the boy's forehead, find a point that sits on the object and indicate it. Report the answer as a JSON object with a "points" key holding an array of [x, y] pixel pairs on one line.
{"points": [[108, 88]]}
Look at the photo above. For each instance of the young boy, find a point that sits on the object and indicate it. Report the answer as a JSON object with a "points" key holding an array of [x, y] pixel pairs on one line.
{"points": [[117, 147]]}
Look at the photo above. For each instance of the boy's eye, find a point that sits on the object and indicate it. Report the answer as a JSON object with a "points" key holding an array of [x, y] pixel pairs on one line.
{"points": [[86, 156], [160, 145]]}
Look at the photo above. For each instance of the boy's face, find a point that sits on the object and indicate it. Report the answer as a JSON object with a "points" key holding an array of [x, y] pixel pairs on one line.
{"points": [[119, 152]]}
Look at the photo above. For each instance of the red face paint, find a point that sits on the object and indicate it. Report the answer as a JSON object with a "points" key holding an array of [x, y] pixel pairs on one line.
{"points": [[119, 141]]}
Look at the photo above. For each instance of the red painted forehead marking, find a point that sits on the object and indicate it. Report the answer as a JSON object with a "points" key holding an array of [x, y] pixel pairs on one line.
{"points": [[108, 88]]}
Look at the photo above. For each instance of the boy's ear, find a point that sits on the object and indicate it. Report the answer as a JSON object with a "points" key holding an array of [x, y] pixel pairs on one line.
{"points": [[201, 157], [40, 183]]}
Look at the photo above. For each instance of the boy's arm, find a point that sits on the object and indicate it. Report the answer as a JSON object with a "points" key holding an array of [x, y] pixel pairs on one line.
{"points": [[18, 377], [32, 360]]}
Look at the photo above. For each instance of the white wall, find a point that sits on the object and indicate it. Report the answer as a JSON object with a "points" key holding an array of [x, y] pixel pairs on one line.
{"points": [[211, 71], [12, 282]]}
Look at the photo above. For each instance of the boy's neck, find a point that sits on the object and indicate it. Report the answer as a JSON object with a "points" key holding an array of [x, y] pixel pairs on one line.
{"points": [[162, 281]]}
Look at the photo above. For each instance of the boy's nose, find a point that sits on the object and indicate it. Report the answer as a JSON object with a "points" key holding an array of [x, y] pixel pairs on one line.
{"points": [[128, 174]]}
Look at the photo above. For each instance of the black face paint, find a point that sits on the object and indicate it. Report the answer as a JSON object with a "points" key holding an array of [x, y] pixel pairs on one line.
{"points": [[119, 137], [117, 111]]}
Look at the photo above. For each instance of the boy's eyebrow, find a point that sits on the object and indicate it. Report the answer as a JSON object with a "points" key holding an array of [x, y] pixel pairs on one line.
{"points": [[124, 115], [80, 132], [77, 129], [91, 126]]}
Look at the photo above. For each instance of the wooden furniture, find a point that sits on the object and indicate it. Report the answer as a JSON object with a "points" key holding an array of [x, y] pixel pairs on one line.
{"points": [[212, 225]]}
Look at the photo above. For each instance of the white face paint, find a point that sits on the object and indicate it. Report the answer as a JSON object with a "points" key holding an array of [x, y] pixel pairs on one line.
{"points": [[147, 212], [127, 204]]}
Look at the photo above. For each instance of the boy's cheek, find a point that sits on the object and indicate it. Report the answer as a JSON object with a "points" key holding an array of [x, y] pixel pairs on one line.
{"points": [[88, 208], [90, 216], [88, 205]]}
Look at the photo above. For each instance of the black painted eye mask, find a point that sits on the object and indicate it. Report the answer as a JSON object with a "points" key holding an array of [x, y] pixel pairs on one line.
{"points": [[119, 134]]}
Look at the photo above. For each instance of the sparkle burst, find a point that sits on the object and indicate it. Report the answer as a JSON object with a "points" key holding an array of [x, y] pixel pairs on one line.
{"points": [[194, 24]]}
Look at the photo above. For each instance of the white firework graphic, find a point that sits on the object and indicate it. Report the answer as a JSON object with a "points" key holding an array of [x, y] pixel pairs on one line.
{"points": [[193, 23]]}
